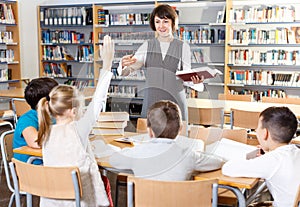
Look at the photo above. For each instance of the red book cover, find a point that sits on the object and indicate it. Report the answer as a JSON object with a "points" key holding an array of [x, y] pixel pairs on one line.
{"points": [[206, 72]]}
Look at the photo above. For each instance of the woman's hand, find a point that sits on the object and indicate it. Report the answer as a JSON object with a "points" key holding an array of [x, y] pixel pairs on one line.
{"points": [[196, 79], [107, 52], [128, 60]]}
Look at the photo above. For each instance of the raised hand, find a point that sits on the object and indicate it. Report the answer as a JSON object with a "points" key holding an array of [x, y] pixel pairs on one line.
{"points": [[107, 52]]}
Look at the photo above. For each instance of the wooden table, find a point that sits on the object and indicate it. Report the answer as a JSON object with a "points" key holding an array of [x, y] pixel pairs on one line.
{"points": [[12, 93], [234, 184]]}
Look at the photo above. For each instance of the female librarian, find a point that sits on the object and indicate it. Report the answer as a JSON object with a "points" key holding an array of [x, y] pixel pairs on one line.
{"points": [[162, 57]]}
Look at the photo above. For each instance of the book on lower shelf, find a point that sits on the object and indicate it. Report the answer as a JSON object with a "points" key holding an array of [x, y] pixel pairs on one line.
{"points": [[206, 72], [229, 149]]}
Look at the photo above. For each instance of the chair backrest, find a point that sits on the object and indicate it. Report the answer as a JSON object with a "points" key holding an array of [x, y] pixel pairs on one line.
{"points": [[206, 116], [234, 97], [213, 134], [297, 199], [19, 106], [141, 125], [243, 118], [6, 140], [143, 192], [281, 100], [49, 182]]}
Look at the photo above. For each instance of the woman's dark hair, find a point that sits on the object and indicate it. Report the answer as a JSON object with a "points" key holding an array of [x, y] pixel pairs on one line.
{"points": [[281, 122], [163, 11]]}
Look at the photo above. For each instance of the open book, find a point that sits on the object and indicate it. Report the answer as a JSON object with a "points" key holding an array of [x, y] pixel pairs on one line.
{"points": [[206, 72], [229, 149]]}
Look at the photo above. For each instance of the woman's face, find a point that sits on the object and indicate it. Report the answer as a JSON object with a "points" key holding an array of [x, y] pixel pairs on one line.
{"points": [[163, 26]]}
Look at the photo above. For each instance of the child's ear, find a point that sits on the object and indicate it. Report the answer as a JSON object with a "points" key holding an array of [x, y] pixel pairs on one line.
{"points": [[265, 133], [151, 133]]}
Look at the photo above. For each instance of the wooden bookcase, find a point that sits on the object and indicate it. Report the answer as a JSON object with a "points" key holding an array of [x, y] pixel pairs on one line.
{"points": [[262, 48], [10, 69]]}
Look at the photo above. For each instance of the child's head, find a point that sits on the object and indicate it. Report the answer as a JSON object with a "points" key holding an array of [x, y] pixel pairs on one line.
{"points": [[164, 119], [64, 102], [37, 89], [281, 124]]}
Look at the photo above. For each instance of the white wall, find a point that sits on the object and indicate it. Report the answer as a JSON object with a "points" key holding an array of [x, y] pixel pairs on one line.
{"points": [[29, 33]]}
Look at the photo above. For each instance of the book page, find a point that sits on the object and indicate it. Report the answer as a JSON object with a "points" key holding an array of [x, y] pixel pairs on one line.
{"points": [[206, 72], [229, 149]]}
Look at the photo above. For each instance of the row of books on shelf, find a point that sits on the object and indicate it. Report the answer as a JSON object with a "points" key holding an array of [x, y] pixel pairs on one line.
{"points": [[106, 18], [5, 74], [7, 55], [123, 90], [57, 53], [285, 35], [270, 57], [202, 35], [66, 16], [197, 56], [6, 37], [263, 77], [65, 36], [80, 84], [257, 95], [64, 70], [262, 13], [127, 36], [136, 75], [6, 14], [191, 93]]}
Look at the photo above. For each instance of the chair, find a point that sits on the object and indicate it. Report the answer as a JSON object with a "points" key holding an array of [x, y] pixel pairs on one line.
{"points": [[206, 116], [235, 97], [6, 140], [49, 182], [280, 100], [297, 199], [143, 192], [141, 125], [244, 119], [19, 106], [213, 134]]}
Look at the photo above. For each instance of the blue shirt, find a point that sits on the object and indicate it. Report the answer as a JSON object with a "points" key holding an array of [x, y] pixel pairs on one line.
{"points": [[29, 119]]}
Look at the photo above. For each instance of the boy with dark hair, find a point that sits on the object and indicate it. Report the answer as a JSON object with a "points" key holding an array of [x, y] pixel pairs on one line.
{"points": [[280, 166], [166, 156], [27, 126]]}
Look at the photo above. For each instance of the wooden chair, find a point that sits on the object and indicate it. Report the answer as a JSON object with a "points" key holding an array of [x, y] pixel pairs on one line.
{"points": [[235, 97], [141, 125], [297, 199], [244, 119], [143, 192], [6, 140], [19, 106], [49, 182], [213, 134], [206, 116], [281, 100]]}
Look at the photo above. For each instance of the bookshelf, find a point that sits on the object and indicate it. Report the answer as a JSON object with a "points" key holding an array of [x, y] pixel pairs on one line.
{"points": [[10, 70], [262, 48], [66, 44], [205, 31]]}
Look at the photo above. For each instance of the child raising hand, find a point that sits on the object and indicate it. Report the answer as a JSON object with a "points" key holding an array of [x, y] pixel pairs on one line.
{"points": [[66, 143]]}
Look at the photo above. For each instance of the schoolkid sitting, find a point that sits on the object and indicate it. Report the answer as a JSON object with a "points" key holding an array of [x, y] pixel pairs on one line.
{"points": [[280, 165], [166, 156]]}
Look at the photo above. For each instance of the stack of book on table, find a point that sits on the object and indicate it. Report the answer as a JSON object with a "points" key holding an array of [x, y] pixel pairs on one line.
{"points": [[111, 123]]}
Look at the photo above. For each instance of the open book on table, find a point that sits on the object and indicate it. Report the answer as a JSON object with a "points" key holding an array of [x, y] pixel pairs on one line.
{"points": [[229, 149], [206, 72]]}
